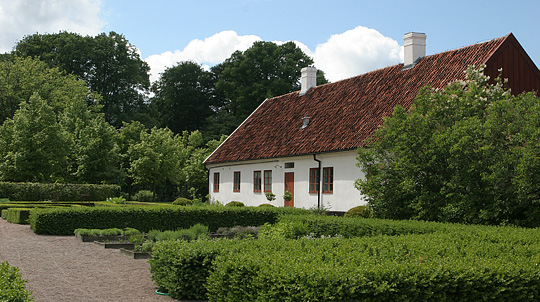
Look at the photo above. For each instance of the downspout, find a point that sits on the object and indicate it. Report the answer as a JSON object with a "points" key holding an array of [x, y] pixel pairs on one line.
{"points": [[320, 178]]}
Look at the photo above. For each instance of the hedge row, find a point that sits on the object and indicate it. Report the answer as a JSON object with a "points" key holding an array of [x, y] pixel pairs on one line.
{"points": [[12, 286], [293, 227], [63, 221], [461, 264], [57, 192], [18, 215]]}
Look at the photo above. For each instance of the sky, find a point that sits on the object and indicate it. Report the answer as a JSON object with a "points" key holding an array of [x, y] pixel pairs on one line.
{"points": [[345, 38]]}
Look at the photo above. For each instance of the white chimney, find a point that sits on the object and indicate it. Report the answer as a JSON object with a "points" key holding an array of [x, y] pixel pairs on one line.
{"points": [[415, 48], [308, 79]]}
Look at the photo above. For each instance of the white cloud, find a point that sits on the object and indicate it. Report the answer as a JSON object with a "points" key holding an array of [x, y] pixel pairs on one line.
{"points": [[355, 52], [211, 51], [19, 18], [344, 55]]}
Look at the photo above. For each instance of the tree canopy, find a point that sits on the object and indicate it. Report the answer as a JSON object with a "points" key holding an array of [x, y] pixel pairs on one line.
{"points": [[108, 63], [468, 153]]}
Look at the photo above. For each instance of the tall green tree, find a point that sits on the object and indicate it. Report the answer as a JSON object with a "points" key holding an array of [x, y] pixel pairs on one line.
{"points": [[20, 78], [108, 63], [263, 71], [156, 158], [468, 153], [33, 144], [184, 97]]}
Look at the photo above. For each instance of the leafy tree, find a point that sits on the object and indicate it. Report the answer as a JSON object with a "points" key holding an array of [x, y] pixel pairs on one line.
{"points": [[184, 97], [20, 78], [468, 153], [32, 146], [128, 135], [263, 71], [156, 158], [108, 63]]}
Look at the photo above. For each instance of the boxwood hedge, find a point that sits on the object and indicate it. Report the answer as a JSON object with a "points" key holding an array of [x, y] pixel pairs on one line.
{"points": [[18, 215], [461, 263], [57, 192], [63, 221], [12, 286]]}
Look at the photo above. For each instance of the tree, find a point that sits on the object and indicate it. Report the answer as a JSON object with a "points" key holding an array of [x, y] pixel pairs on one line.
{"points": [[108, 63], [156, 158], [468, 153], [263, 71], [32, 146], [184, 97], [20, 78]]}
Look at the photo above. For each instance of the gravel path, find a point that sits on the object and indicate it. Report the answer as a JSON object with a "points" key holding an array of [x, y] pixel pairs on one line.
{"points": [[61, 268]]}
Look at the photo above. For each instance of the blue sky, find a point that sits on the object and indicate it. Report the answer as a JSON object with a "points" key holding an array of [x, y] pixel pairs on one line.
{"points": [[345, 37]]}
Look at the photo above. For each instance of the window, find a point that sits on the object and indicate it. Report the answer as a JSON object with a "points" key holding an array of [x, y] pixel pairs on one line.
{"points": [[314, 180], [236, 184], [216, 182], [328, 180], [289, 165], [256, 181], [268, 181]]}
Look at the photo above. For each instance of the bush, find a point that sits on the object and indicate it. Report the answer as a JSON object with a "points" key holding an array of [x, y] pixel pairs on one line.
{"points": [[359, 211], [144, 196], [63, 221], [18, 215], [181, 201], [116, 200], [197, 231], [12, 286], [266, 205], [4, 214], [235, 204], [57, 192]]}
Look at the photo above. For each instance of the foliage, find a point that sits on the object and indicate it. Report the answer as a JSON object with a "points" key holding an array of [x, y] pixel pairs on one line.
{"points": [[235, 204], [57, 192], [108, 63], [467, 153], [359, 211], [270, 196], [195, 232], [266, 205], [63, 221], [33, 146], [143, 196], [12, 286], [294, 227], [184, 97], [287, 196], [116, 200], [18, 215], [181, 201], [106, 232]]}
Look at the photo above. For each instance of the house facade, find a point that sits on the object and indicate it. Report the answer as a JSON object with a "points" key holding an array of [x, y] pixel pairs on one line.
{"points": [[305, 142]]}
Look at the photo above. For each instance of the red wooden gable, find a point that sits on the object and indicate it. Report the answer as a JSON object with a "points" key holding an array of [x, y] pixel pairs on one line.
{"points": [[343, 114]]}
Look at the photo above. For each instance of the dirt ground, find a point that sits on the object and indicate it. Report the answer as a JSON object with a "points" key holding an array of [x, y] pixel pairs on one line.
{"points": [[61, 268]]}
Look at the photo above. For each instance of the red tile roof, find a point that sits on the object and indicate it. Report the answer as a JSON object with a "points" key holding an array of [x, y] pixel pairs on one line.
{"points": [[343, 114]]}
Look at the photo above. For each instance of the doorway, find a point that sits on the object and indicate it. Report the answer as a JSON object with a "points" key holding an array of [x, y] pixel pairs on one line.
{"points": [[289, 185]]}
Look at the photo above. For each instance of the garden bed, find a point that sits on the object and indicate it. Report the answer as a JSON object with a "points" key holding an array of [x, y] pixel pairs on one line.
{"points": [[132, 253], [115, 245]]}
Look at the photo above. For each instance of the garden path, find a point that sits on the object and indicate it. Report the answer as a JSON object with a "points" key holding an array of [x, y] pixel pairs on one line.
{"points": [[61, 268]]}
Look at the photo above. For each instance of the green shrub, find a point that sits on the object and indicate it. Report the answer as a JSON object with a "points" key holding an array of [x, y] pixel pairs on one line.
{"points": [[235, 204], [63, 221], [4, 214], [116, 200], [359, 211], [144, 196], [266, 205], [462, 264], [181, 201], [18, 215], [57, 192], [12, 286], [197, 231], [4, 200]]}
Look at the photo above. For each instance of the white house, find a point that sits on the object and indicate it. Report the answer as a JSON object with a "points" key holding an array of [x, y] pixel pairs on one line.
{"points": [[306, 141]]}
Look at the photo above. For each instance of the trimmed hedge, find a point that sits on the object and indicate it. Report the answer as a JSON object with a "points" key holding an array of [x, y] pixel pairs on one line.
{"points": [[57, 192], [18, 215], [12, 286], [4, 213], [63, 221], [293, 227], [463, 263]]}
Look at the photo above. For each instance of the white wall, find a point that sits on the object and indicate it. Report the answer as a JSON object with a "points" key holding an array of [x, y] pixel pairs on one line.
{"points": [[344, 196]]}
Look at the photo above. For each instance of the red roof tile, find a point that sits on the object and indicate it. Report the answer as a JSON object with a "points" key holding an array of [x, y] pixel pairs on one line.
{"points": [[343, 114]]}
